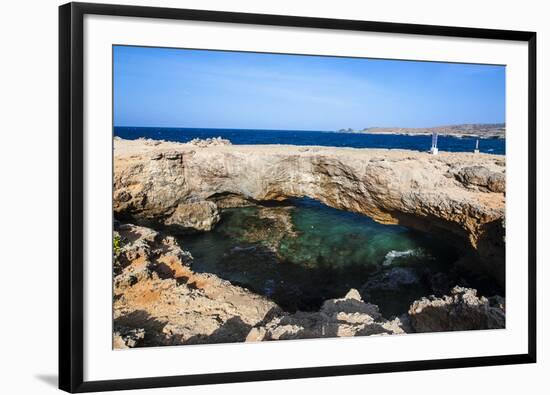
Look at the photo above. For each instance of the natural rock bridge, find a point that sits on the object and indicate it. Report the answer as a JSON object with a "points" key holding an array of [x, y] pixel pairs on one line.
{"points": [[460, 195]]}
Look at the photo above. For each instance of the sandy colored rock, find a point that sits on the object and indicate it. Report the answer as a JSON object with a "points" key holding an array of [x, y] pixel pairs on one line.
{"points": [[462, 310], [201, 216], [209, 142], [159, 300], [458, 194], [345, 317], [483, 178]]}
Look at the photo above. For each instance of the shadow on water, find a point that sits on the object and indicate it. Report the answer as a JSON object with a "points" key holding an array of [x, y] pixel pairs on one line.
{"points": [[300, 253]]}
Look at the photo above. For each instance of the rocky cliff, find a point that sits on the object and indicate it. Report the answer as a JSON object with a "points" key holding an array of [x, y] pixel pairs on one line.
{"points": [[461, 195], [159, 300]]}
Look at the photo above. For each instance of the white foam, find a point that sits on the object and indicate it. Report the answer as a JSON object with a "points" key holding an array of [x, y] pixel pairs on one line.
{"points": [[394, 254]]}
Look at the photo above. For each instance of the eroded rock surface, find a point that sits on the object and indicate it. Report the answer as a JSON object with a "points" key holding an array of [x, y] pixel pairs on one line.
{"points": [[348, 316], [482, 177], [462, 310], [159, 300], [458, 194], [209, 142], [201, 216]]}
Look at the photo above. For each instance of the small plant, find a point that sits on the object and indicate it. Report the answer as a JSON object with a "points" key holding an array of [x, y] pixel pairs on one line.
{"points": [[117, 244]]}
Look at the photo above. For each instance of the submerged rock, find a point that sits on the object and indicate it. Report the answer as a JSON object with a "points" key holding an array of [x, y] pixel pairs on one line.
{"points": [[460, 311]]}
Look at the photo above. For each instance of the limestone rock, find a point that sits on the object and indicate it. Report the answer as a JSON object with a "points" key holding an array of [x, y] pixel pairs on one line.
{"points": [[146, 253], [201, 216], [482, 177], [462, 310], [127, 338], [159, 300], [209, 142], [458, 194], [348, 316]]}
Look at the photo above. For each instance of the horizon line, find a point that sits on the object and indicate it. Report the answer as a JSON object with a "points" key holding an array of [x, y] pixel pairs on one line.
{"points": [[313, 130]]}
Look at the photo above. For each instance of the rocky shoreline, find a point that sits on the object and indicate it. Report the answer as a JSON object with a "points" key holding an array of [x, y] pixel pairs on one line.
{"points": [[480, 131], [159, 300], [181, 188], [460, 195]]}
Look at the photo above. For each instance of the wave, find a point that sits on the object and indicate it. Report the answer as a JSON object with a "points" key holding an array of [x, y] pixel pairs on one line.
{"points": [[394, 254]]}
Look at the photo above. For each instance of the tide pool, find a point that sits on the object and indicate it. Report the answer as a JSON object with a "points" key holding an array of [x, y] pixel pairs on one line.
{"points": [[302, 252]]}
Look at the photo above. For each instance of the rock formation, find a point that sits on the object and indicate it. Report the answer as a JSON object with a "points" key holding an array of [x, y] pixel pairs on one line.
{"points": [[208, 142], [201, 216], [159, 300], [348, 316], [458, 194], [483, 131], [460, 311]]}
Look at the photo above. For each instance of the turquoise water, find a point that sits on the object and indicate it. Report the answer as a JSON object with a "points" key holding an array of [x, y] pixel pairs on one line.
{"points": [[301, 253]]}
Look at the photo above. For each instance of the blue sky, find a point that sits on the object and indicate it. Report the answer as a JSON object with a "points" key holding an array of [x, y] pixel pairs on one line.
{"points": [[216, 89]]}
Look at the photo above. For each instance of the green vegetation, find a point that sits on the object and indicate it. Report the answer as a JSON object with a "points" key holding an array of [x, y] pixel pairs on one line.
{"points": [[117, 244]]}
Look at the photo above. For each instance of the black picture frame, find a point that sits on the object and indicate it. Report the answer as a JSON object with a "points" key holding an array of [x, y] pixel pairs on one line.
{"points": [[71, 224]]}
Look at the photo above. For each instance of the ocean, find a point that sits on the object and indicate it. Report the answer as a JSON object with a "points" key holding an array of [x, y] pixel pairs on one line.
{"points": [[328, 251], [329, 139]]}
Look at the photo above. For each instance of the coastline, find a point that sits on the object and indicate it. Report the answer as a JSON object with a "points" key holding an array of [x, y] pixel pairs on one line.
{"points": [[160, 301], [478, 131], [408, 133], [182, 187]]}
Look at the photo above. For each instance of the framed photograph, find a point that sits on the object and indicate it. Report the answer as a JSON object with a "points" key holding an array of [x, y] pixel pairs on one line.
{"points": [[251, 197]]}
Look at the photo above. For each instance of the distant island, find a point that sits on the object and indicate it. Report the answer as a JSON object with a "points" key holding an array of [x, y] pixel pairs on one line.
{"points": [[480, 130]]}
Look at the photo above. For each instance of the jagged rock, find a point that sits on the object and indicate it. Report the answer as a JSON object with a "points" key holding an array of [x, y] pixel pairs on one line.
{"points": [[209, 142], [158, 295], [127, 338], [144, 252], [159, 300], [200, 216], [482, 177], [173, 155], [462, 310], [147, 141], [391, 186], [353, 294], [348, 316]]}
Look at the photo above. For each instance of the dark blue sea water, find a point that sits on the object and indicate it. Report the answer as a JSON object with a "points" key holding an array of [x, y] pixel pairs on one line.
{"points": [[329, 139]]}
